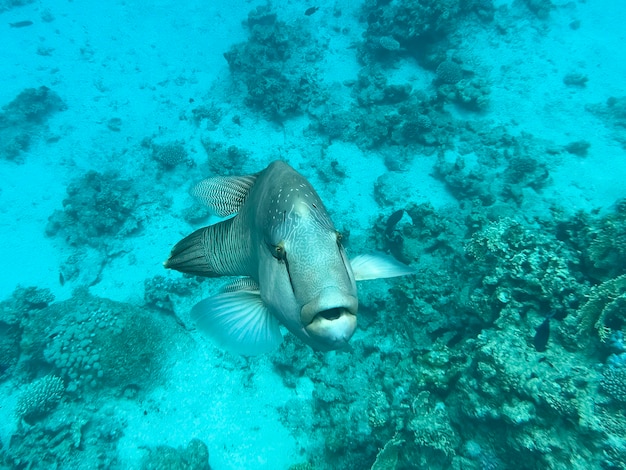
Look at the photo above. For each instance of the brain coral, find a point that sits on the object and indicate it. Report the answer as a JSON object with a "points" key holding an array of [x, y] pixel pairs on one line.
{"points": [[449, 72], [170, 154]]}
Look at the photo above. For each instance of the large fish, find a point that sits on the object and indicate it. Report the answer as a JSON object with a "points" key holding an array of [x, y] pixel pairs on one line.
{"points": [[294, 267]]}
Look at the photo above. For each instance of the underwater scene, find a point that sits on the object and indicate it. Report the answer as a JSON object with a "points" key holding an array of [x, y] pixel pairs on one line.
{"points": [[298, 235]]}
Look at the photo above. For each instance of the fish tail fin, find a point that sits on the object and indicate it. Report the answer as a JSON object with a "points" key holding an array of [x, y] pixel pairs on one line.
{"points": [[210, 252]]}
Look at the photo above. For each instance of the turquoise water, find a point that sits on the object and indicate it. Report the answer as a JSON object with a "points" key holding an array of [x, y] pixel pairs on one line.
{"points": [[480, 142]]}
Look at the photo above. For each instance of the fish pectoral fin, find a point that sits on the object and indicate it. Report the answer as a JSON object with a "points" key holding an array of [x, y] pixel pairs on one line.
{"points": [[239, 321], [224, 195], [366, 267]]}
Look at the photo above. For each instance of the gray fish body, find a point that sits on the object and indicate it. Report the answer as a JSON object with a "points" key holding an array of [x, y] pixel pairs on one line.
{"points": [[283, 240], [295, 255]]}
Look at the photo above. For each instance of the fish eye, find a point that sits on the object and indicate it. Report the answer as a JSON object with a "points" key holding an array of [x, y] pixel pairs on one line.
{"points": [[278, 251]]}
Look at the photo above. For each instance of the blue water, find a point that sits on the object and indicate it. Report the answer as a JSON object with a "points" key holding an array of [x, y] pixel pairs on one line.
{"points": [[480, 142]]}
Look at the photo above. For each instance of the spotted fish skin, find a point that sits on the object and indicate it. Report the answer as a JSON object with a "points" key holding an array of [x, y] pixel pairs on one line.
{"points": [[283, 241]]}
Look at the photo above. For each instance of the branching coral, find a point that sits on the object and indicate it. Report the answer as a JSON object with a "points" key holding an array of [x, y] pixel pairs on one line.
{"points": [[40, 397], [431, 426], [605, 311]]}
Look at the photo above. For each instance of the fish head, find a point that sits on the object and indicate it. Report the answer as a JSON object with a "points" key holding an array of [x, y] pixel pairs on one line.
{"points": [[305, 277]]}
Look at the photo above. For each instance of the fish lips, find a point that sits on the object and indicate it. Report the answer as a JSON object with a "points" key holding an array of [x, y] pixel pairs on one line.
{"points": [[330, 319]]}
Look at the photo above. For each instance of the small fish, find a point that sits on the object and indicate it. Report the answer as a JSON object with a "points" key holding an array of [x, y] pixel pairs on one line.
{"points": [[392, 221], [542, 334], [309, 11], [294, 268], [21, 24]]}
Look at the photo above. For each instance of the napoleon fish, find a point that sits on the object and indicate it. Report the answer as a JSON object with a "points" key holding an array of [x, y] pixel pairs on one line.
{"points": [[292, 266]]}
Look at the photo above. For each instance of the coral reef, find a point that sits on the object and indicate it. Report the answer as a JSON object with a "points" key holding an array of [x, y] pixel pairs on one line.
{"points": [[469, 388], [600, 239], [614, 382], [94, 344], [76, 359], [71, 437], [25, 117], [9, 347], [607, 248], [169, 155], [415, 25], [194, 457], [449, 72], [386, 115], [420, 28], [541, 8], [474, 171], [271, 65], [39, 398], [225, 159], [160, 293], [98, 207], [506, 349], [25, 303], [604, 312]]}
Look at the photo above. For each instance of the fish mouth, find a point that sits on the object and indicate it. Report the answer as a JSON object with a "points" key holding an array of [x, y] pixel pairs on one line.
{"points": [[330, 320]]}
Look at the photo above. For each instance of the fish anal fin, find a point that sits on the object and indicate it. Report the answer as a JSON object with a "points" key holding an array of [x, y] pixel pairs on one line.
{"points": [[241, 283]]}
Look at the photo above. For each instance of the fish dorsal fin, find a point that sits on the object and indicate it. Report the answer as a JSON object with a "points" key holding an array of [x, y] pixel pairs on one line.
{"points": [[378, 266], [224, 195], [239, 321]]}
